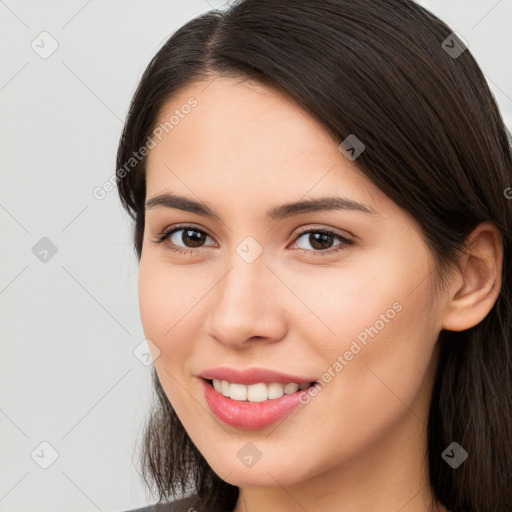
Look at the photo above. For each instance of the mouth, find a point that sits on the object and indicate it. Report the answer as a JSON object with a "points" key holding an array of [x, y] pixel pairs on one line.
{"points": [[274, 392], [253, 409]]}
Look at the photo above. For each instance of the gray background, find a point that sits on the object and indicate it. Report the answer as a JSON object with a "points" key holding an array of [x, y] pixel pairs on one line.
{"points": [[70, 321]]}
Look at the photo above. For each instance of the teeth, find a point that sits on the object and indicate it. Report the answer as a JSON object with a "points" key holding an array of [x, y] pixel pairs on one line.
{"points": [[256, 392]]}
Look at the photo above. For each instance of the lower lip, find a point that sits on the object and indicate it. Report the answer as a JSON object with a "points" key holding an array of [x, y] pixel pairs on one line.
{"points": [[251, 415]]}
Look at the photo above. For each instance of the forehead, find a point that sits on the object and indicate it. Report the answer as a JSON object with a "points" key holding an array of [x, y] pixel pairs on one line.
{"points": [[240, 114], [243, 138]]}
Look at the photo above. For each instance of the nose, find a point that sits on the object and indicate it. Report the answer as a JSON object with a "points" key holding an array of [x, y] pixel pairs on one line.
{"points": [[246, 305]]}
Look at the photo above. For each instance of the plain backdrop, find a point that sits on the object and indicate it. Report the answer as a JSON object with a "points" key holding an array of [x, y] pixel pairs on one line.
{"points": [[74, 381]]}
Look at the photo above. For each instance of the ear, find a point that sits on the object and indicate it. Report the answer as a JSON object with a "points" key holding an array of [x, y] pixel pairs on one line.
{"points": [[475, 288]]}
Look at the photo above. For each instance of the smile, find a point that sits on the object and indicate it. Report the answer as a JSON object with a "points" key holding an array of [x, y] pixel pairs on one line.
{"points": [[261, 410], [259, 392]]}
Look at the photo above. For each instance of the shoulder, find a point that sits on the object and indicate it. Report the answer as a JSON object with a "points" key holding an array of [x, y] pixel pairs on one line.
{"points": [[181, 505]]}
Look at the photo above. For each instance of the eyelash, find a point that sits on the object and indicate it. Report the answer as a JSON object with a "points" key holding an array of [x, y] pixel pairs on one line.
{"points": [[345, 242]]}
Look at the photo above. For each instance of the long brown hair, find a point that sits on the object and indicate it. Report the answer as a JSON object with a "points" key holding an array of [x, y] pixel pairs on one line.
{"points": [[436, 144]]}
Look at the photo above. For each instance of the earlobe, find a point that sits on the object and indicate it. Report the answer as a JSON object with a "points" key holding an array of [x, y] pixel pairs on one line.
{"points": [[477, 286]]}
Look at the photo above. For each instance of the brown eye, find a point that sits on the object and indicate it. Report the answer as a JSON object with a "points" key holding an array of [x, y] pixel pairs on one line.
{"points": [[189, 237], [321, 242], [182, 239]]}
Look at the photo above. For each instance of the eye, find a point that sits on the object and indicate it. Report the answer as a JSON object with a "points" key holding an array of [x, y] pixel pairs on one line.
{"points": [[190, 236], [193, 240], [321, 239]]}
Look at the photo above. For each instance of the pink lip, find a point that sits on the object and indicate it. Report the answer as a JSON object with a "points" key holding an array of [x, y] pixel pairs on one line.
{"points": [[251, 415], [252, 376]]}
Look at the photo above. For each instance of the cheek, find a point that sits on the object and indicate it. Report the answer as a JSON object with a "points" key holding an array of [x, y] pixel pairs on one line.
{"points": [[165, 294], [341, 304], [151, 302], [172, 311], [161, 304], [385, 342], [163, 310], [371, 327]]}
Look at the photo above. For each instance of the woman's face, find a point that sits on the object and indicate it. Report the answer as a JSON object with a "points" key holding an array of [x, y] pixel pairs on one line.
{"points": [[252, 291]]}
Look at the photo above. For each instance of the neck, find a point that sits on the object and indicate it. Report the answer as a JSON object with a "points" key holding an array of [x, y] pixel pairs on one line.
{"points": [[390, 474]]}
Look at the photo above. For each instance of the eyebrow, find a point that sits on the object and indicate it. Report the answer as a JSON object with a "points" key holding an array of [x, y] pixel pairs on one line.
{"points": [[275, 213]]}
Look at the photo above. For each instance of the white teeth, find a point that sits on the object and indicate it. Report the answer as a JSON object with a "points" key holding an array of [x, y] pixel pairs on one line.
{"points": [[291, 388], [256, 392], [275, 390], [217, 385], [238, 392]]}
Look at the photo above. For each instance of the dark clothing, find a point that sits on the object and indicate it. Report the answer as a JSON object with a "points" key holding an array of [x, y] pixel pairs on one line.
{"points": [[189, 504]]}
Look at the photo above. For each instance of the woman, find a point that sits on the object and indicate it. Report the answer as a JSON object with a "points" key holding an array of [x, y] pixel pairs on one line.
{"points": [[321, 217]]}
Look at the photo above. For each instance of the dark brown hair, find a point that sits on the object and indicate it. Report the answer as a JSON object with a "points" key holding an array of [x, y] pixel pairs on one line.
{"points": [[436, 144]]}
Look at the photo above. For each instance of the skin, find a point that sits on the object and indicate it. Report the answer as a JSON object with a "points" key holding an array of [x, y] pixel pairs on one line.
{"points": [[359, 444]]}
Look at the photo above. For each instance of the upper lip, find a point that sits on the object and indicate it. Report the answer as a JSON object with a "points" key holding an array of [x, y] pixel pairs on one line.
{"points": [[251, 375]]}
